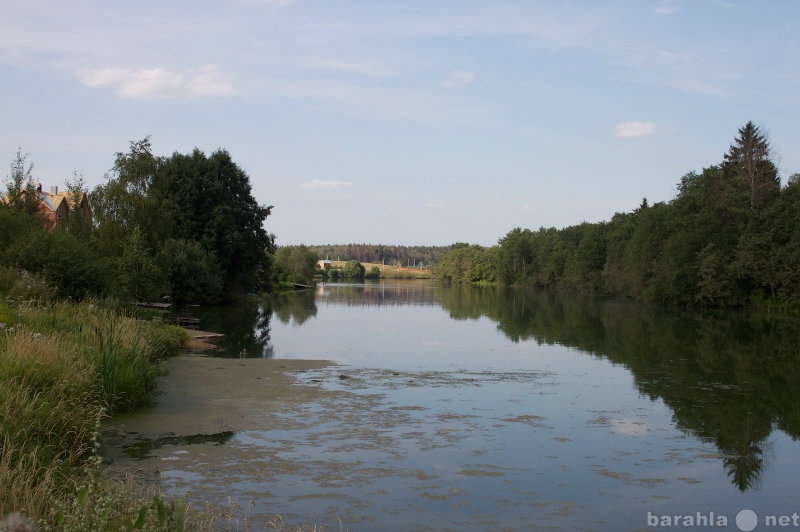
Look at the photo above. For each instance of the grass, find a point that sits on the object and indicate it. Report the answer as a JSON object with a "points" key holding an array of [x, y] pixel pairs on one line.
{"points": [[64, 368]]}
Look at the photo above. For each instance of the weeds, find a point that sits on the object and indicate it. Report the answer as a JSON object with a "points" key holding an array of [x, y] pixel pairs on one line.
{"points": [[62, 367]]}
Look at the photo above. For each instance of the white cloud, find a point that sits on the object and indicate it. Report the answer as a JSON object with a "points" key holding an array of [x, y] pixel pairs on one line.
{"points": [[629, 130], [207, 80], [665, 7], [327, 184], [459, 77]]}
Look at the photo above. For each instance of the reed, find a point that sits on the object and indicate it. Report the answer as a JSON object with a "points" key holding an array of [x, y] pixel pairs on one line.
{"points": [[48, 411], [62, 367]]}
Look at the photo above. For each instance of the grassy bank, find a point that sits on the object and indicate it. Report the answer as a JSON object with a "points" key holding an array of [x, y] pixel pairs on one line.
{"points": [[64, 368]]}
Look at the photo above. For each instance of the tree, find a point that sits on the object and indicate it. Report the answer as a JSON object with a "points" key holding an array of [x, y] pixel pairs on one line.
{"points": [[209, 199], [79, 223], [296, 264], [125, 203], [750, 159], [192, 274], [353, 270], [516, 256], [22, 194], [138, 276]]}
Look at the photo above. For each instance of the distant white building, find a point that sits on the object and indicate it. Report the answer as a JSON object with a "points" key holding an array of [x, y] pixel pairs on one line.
{"points": [[325, 264]]}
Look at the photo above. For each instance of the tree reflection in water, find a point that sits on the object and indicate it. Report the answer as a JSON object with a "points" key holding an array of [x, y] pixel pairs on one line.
{"points": [[729, 378]]}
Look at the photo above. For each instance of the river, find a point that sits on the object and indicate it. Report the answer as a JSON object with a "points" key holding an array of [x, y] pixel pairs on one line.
{"points": [[419, 406]]}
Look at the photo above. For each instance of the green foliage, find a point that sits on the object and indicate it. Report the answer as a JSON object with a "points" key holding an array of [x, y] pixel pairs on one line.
{"points": [[66, 263], [749, 159], [14, 225], [389, 255], [187, 225], [123, 203], [209, 200], [138, 275], [295, 264], [192, 273], [8, 317], [731, 237], [62, 369], [353, 270], [465, 263], [373, 273], [22, 196]]}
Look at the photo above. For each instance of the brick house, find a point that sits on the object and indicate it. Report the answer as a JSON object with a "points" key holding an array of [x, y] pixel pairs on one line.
{"points": [[54, 207]]}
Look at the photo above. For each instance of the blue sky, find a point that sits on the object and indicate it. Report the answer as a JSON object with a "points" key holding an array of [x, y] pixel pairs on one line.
{"points": [[406, 122]]}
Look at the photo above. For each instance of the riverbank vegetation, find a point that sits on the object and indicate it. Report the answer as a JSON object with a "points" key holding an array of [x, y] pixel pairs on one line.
{"points": [[730, 238], [65, 368], [184, 226]]}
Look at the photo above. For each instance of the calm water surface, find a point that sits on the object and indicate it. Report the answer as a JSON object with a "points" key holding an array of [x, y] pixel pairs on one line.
{"points": [[456, 408]]}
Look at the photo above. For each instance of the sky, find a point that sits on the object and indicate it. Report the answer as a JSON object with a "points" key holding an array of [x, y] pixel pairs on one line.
{"points": [[405, 122]]}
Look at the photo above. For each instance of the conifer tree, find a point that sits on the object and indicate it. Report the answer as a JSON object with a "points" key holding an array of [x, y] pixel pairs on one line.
{"points": [[750, 158]]}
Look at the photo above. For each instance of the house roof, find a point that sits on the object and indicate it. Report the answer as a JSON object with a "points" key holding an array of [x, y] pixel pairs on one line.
{"points": [[53, 201]]}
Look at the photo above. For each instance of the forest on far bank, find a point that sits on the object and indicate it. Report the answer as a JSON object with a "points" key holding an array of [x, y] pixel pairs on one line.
{"points": [[729, 238], [391, 255]]}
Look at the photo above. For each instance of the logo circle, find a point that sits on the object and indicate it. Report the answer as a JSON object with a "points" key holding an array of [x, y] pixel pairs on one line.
{"points": [[746, 520]]}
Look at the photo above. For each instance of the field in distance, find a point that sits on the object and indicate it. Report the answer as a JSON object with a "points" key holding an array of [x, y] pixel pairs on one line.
{"points": [[390, 271]]}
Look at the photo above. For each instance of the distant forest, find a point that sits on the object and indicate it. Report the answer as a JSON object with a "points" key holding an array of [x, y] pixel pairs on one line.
{"points": [[419, 256], [730, 238]]}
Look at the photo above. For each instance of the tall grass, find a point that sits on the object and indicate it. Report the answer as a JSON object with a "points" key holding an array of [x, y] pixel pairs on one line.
{"points": [[123, 352], [62, 368], [48, 411]]}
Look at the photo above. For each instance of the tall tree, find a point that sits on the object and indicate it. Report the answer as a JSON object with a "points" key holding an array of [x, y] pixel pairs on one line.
{"points": [[210, 200], [750, 157], [22, 192], [124, 201], [80, 223], [516, 255]]}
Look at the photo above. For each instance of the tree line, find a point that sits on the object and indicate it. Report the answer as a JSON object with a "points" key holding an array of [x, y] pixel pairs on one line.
{"points": [[729, 238], [420, 256], [185, 226]]}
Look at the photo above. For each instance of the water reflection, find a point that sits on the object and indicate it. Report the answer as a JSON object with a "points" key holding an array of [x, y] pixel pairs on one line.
{"points": [[729, 379], [246, 327], [142, 447]]}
